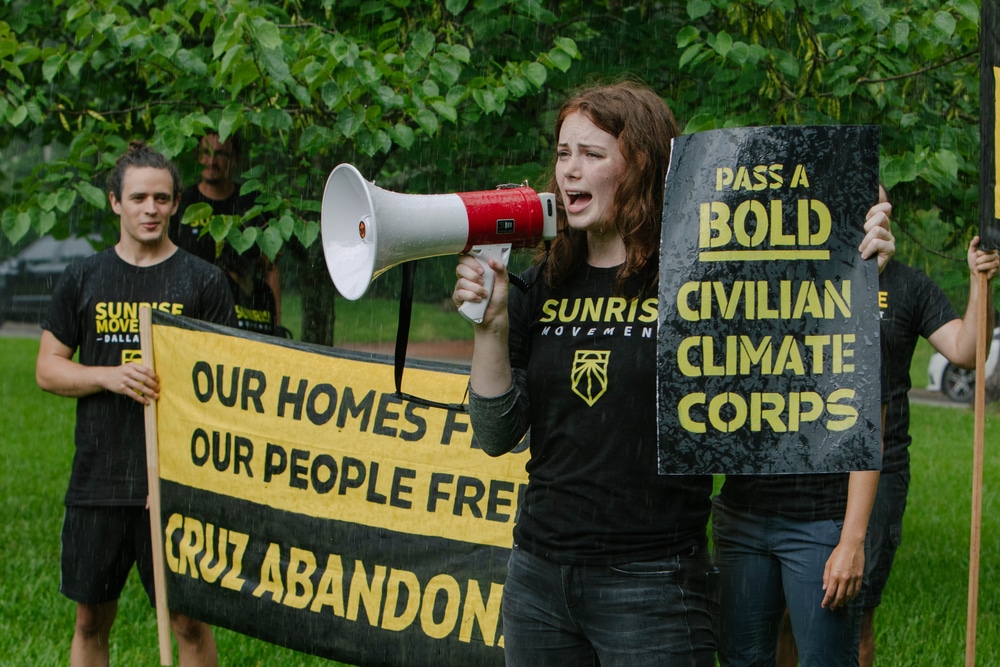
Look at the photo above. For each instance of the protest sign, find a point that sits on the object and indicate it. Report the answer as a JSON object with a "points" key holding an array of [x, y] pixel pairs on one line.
{"points": [[768, 343], [303, 503]]}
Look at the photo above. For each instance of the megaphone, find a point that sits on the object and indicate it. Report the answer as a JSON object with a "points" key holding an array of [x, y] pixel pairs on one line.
{"points": [[367, 230]]}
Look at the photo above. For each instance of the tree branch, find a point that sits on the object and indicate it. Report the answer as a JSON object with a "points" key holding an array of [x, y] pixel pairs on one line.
{"points": [[927, 248], [918, 72]]}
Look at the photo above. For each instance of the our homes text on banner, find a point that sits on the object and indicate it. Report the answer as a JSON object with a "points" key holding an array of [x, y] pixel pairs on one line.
{"points": [[304, 503]]}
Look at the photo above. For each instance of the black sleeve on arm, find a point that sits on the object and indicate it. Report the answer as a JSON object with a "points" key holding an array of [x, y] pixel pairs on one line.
{"points": [[500, 422]]}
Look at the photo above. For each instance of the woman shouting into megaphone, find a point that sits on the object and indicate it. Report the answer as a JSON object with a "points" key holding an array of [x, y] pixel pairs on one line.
{"points": [[610, 561]]}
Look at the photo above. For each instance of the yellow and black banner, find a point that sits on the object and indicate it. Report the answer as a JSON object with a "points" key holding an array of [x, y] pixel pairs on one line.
{"points": [[305, 504], [768, 350]]}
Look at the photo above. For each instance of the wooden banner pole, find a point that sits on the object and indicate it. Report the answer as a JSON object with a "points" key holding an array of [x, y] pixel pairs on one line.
{"points": [[153, 472], [978, 441]]}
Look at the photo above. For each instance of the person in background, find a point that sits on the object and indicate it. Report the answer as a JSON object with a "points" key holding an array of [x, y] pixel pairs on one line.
{"points": [[911, 305], [106, 527], [254, 280], [796, 542], [610, 562]]}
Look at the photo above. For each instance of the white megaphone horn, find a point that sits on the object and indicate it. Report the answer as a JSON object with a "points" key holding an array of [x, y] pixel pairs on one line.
{"points": [[367, 230]]}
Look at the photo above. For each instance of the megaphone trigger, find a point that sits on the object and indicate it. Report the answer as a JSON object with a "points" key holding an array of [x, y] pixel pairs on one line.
{"points": [[474, 311]]}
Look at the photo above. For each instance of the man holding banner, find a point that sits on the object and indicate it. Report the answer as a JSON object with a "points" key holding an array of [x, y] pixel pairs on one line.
{"points": [[94, 312]]}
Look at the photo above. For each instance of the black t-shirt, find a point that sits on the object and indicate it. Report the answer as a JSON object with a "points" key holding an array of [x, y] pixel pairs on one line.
{"points": [[911, 305], [95, 310], [810, 496], [202, 245], [594, 495], [255, 310]]}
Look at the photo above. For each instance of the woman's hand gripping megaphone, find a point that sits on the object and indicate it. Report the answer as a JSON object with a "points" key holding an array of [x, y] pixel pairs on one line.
{"points": [[499, 253], [474, 311], [477, 286]]}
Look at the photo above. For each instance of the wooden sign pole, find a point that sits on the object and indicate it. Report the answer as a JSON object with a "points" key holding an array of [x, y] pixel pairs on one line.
{"points": [[153, 472]]}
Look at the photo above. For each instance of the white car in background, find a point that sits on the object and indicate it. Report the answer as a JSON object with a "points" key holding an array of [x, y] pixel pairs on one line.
{"points": [[959, 384]]}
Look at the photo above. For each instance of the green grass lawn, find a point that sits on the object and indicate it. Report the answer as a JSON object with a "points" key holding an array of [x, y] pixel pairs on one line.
{"points": [[921, 623], [36, 622], [923, 617]]}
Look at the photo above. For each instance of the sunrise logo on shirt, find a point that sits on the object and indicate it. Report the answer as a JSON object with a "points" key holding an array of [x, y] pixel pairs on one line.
{"points": [[590, 374], [131, 356]]}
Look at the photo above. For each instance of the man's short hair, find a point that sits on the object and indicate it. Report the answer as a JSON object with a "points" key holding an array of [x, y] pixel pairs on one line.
{"points": [[139, 154]]}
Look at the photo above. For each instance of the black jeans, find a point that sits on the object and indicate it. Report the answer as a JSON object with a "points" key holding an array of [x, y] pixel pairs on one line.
{"points": [[641, 614]]}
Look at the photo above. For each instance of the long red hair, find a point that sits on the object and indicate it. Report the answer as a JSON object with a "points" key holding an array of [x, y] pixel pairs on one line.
{"points": [[644, 126]]}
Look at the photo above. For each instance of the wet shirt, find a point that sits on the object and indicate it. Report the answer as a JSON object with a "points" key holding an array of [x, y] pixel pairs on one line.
{"points": [[190, 236], [911, 305], [594, 495], [809, 497], [255, 310], [95, 310]]}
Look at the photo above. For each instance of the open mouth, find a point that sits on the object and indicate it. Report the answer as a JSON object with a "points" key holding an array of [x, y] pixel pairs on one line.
{"points": [[577, 200]]}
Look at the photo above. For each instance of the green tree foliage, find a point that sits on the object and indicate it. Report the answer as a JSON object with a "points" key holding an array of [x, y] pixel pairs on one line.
{"points": [[456, 95], [309, 84], [912, 68]]}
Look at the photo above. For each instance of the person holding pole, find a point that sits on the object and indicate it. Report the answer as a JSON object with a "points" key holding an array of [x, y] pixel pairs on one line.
{"points": [[94, 312], [911, 305]]}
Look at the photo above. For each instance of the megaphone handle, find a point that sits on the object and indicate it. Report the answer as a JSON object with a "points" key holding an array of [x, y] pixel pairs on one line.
{"points": [[473, 311]]}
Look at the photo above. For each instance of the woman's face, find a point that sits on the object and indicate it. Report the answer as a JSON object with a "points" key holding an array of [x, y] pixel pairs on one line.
{"points": [[588, 166]]}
